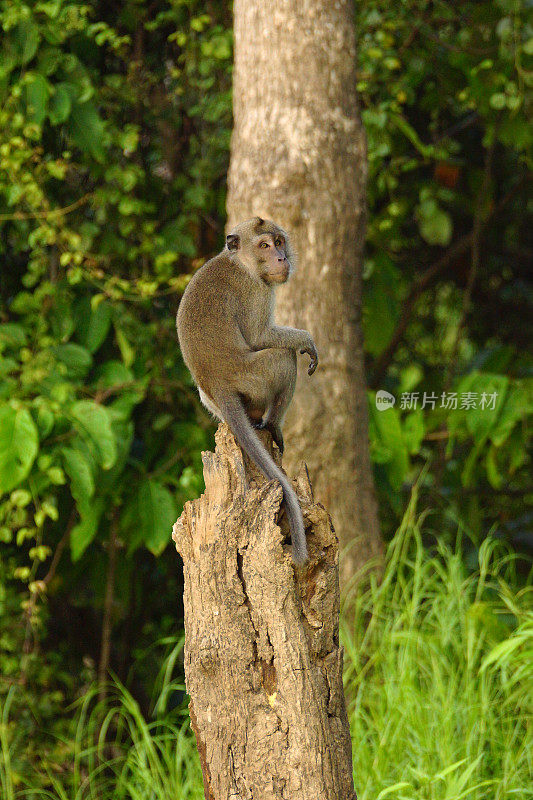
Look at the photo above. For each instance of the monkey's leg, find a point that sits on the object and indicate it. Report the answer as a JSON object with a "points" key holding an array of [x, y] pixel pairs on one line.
{"points": [[276, 414], [255, 410], [208, 403], [284, 365]]}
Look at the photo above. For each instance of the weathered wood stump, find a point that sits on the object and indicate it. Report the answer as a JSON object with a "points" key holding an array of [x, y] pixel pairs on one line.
{"points": [[263, 663]]}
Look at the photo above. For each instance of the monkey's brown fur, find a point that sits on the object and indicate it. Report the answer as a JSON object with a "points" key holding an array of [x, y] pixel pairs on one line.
{"points": [[245, 365]]}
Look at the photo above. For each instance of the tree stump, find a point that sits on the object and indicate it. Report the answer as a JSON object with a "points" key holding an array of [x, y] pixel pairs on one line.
{"points": [[263, 664]]}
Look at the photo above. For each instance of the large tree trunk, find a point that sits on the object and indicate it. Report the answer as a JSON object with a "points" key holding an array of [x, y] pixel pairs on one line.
{"points": [[263, 663], [298, 157]]}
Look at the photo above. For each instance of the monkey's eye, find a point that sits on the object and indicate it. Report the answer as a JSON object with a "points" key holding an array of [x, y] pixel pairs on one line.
{"points": [[279, 243], [264, 244]]}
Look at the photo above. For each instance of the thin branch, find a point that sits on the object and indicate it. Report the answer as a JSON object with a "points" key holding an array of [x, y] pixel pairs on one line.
{"points": [[107, 624], [436, 436], [28, 646], [104, 394], [415, 30], [59, 549], [54, 212]]}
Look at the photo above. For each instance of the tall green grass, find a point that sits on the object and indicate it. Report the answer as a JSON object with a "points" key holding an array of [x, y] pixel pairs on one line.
{"points": [[114, 752], [439, 676], [438, 679]]}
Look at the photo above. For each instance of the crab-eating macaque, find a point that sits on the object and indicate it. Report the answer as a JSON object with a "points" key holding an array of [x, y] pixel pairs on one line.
{"points": [[243, 364]]}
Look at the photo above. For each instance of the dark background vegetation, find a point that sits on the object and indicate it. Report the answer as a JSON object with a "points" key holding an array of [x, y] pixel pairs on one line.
{"points": [[115, 127]]}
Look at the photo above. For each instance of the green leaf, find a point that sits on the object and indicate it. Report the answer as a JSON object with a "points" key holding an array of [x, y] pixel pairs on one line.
{"points": [[517, 448], [515, 132], [380, 454], [381, 306], [126, 350], [122, 407], [49, 59], [35, 98], [80, 473], [410, 376], [84, 532], [513, 408], [7, 365], [60, 317], [94, 326], [503, 651], [94, 425], [12, 335], [491, 463], [480, 421], [45, 417], [123, 432], [435, 225], [152, 513], [87, 129], [414, 430], [77, 359], [426, 151], [387, 433], [191, 483], [113, 373], [162, 421], [467, 474], [60, 104], [19, 442], [8, 61], [25, 37]]}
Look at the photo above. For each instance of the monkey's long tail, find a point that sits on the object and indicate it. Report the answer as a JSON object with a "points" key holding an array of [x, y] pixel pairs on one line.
{"points": [[236, 417]]}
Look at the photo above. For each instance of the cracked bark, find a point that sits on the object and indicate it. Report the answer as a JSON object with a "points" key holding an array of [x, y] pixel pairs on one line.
{"points": [[263, 663]]}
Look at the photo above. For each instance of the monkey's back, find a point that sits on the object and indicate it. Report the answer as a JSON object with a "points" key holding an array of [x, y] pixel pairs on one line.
{"points": [[211, 341]]}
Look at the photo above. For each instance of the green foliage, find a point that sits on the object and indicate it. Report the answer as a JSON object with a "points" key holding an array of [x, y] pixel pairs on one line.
{"points": [[113, 750], [114, 125], [438, 674], [19, 443], [447, 102]]}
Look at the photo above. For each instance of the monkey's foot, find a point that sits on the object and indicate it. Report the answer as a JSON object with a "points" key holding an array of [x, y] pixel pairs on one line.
{"points": [[274, 431]]}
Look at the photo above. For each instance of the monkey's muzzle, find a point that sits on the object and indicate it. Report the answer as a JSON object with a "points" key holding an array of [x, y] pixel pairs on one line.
{"points": [[278, 275]]}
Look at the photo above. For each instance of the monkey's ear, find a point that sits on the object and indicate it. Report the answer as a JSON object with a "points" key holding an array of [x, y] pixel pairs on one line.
{"points": [[232, 241]]}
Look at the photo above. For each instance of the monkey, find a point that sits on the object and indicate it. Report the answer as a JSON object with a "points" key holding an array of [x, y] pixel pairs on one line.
{"points": [[242, 363]]}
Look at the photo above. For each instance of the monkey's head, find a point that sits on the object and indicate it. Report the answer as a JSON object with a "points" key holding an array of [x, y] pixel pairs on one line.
{"points": [[263, 248]]}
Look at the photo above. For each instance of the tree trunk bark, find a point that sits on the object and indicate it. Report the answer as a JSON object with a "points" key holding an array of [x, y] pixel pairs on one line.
{"points": [[263, 664], [298, 157]]}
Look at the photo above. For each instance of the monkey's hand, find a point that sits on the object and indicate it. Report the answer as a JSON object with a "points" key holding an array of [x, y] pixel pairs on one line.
{"points": [[310, 348]]}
